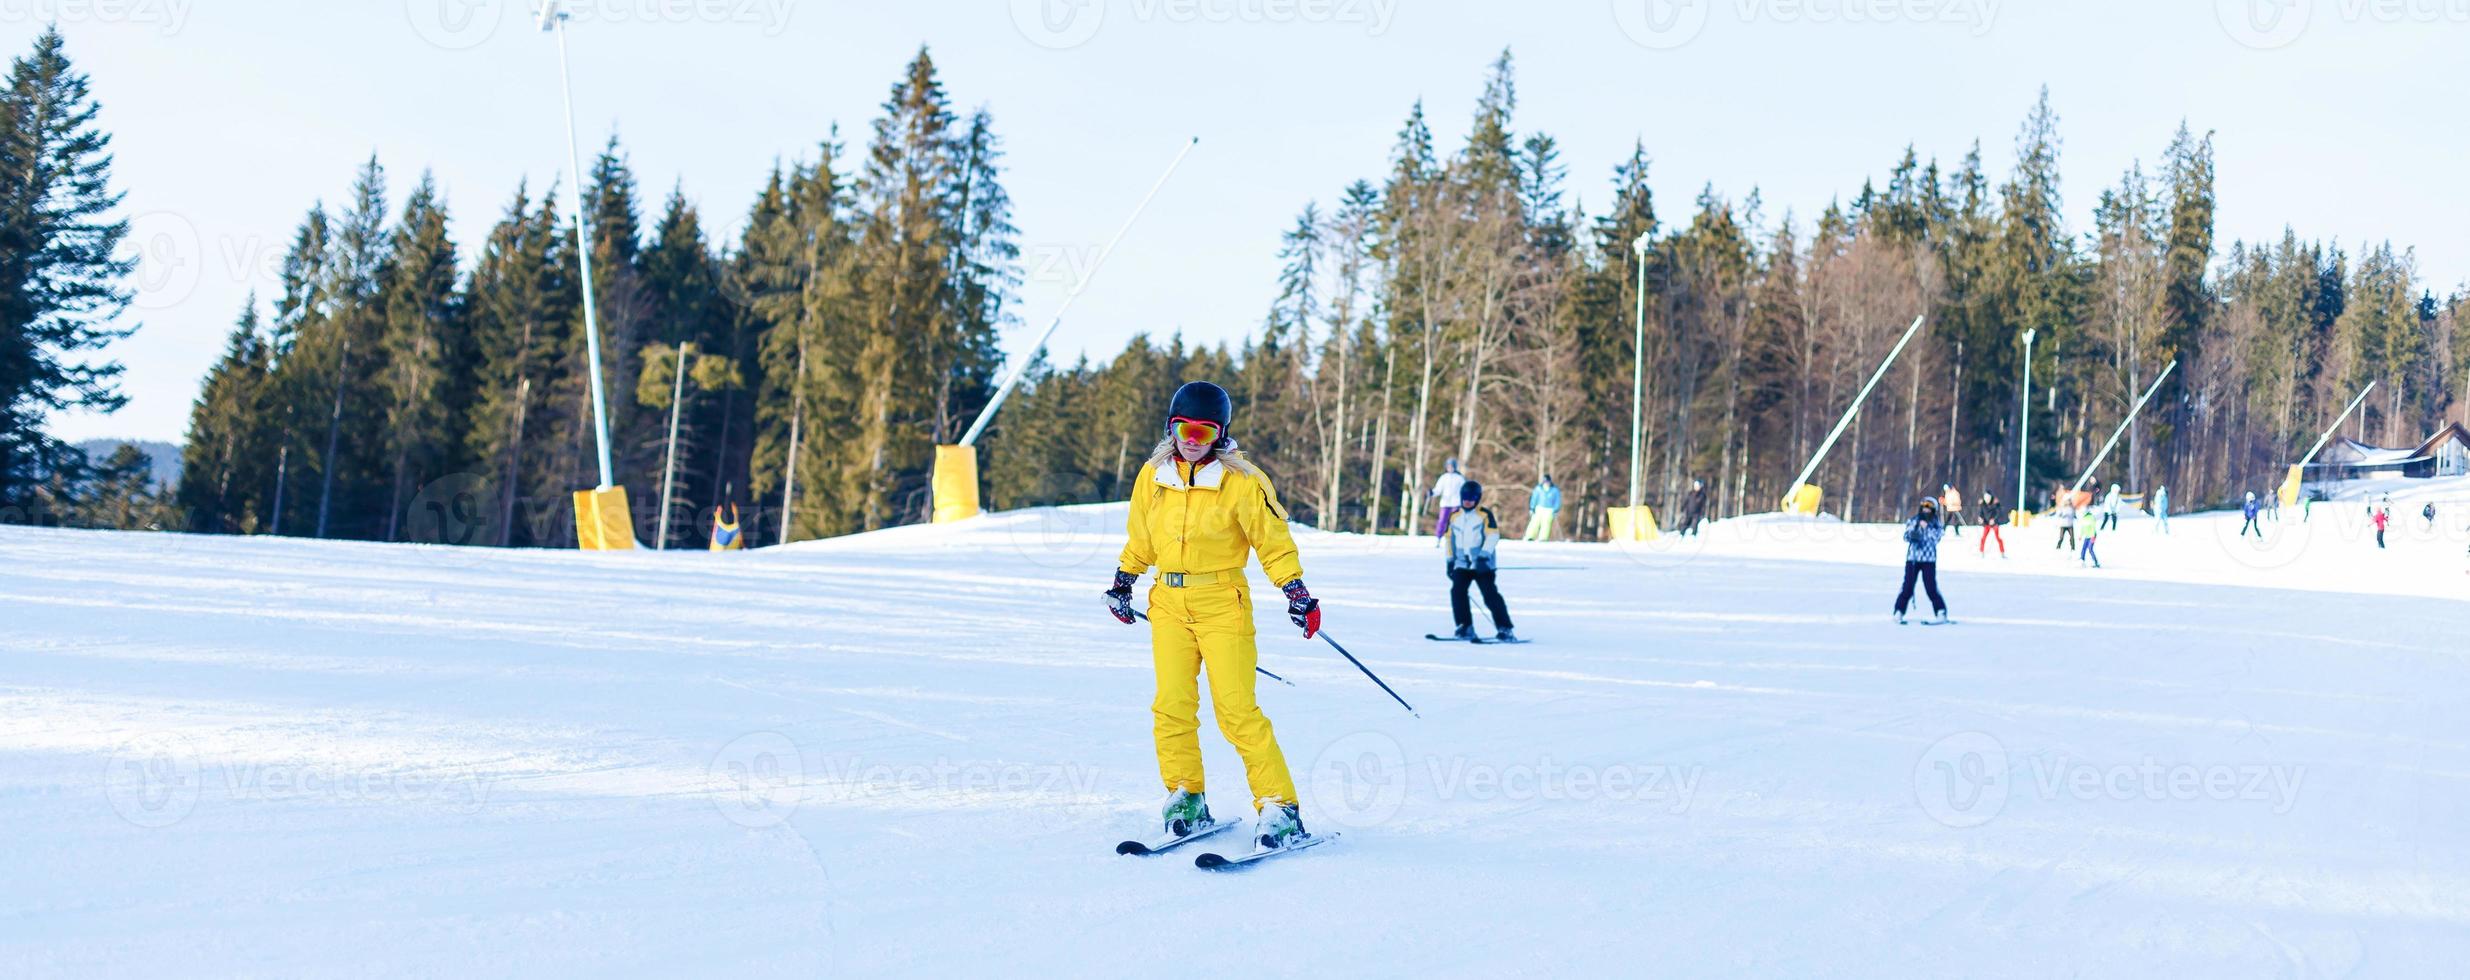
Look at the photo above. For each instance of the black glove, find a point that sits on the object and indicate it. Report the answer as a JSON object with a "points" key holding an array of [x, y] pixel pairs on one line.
{"points": [[1119, 598], [1302, 609]]}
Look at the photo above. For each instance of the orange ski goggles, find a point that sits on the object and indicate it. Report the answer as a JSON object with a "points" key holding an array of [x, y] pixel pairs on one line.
{"points": [[1194, 430]]}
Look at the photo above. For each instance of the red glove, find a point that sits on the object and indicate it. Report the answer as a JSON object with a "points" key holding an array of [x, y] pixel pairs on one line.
{"points": [[1302, 609]]}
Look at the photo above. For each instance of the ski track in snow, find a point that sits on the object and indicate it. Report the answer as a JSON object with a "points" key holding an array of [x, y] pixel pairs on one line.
{"points": [[911, 753]]}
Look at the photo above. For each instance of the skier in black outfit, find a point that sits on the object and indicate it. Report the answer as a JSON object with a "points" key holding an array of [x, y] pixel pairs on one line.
{"points": [[1694, 508], [1472, 535], [1921, 535]]}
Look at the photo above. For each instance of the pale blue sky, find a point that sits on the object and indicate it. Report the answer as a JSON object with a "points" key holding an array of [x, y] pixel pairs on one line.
{"points": [[2339, 117]]}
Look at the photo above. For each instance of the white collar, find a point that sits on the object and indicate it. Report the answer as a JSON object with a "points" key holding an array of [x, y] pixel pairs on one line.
{"points": [[1210, 475]]}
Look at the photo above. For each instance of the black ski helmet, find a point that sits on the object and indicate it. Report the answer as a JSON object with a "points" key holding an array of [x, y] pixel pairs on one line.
{"points": [[1201, 401], [1470, 493]]}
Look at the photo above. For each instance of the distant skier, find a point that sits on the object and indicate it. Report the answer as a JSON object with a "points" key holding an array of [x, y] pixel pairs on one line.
{"points": [[2066, 521], [1543, 504], [2085, 554], [2161, 508], [1991, 518], [2383, 516], [1198, 508], [2109, 511], [1954, 504], [2429, 513], [2249, 511], [1445, 496], [1473, 535], [1921, 535], [1694, 508], [725, 533]]}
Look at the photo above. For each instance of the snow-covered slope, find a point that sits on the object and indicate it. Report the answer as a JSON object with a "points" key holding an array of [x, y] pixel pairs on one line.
{"points": [[910, 753]]}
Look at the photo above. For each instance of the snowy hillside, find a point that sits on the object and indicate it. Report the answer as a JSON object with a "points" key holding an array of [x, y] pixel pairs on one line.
{"points": [[911, 752]]}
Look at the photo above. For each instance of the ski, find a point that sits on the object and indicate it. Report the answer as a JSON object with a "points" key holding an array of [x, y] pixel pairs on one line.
{"points": [[1438, 638], [1162, 845], [1221, 862]]}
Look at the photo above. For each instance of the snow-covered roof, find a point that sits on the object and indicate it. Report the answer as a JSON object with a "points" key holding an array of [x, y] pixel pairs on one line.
{"points": [[2351, 452]]}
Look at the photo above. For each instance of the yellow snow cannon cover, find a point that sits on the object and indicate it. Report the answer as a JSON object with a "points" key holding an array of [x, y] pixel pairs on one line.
{"points": [[602, 522], [955, 483], [2289, 488], [1631, 523], [1805, 500]]}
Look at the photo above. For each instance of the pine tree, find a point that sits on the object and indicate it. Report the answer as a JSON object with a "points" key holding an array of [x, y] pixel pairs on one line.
{"points": [[427, 378], [61, 275], [226, 466]]}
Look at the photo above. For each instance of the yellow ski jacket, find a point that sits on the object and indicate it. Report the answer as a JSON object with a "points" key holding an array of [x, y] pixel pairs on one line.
{"points": [[1205, 519]]}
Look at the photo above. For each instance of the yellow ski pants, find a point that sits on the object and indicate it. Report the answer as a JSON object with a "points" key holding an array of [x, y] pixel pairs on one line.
{"points": [[1210, 626]]}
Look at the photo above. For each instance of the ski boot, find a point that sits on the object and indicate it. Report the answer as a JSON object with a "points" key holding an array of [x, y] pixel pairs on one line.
{"points": [[1465, 633], [1899, 617], [1186, 813], [1505, 636], [1279, 825], [1942, 618]]}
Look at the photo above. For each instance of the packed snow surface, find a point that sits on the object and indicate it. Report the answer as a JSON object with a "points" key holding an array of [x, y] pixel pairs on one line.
{"points": [[912, 753]]}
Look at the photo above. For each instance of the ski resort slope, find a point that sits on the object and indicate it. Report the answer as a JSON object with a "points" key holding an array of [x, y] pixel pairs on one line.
{"points": [[911, 753]]}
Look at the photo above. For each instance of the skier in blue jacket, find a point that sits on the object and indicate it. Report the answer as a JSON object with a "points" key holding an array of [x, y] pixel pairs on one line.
{"points": [[2249, 510], [1543, 504]]}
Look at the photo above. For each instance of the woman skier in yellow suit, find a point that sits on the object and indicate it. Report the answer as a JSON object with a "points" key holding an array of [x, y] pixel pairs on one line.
{"points": [[1198, 507]]}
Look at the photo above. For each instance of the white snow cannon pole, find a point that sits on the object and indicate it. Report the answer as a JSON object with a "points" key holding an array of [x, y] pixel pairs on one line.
{"points": [[602, 521], [1853, 409], [1376, 678], [2122, 428], [2336, 426], [978, 427], [2289, 489]]}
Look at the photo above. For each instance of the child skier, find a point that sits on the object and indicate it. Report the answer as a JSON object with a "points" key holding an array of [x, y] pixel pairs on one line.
{"points": [[2383, 515], [1921, 535], [1694, 508], [2086, 554], [1198, 508], [2066, 522], [2429, 512], [1543, 503], [2109, 511], [1473, 537], [1991, 518], [2161, 508], [1954, 508], [2249, 510]]}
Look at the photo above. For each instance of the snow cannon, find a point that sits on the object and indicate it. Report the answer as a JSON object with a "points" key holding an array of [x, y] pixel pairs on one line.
{"points": [[1804, 500], [1631, 524], [955, 483], [602, 521]]}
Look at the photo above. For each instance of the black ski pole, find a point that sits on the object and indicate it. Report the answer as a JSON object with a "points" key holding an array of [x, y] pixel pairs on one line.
{"points": [[1376, 678], [1263, 670]]}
